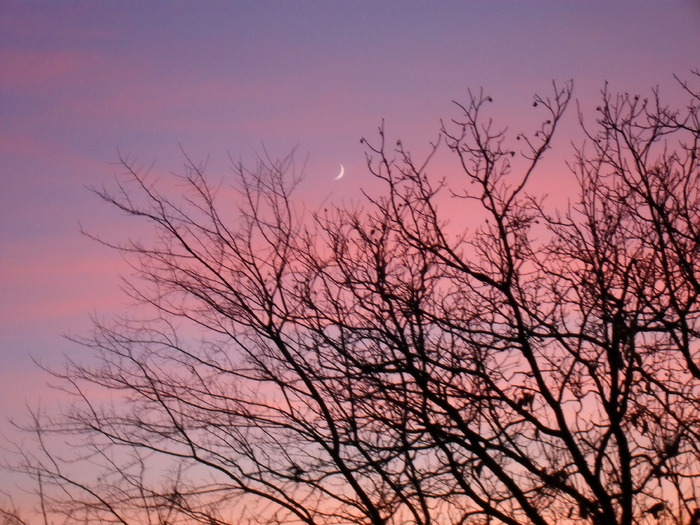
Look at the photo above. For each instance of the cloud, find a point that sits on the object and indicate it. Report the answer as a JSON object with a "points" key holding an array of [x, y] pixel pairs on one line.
{"points": [[30, 69]]}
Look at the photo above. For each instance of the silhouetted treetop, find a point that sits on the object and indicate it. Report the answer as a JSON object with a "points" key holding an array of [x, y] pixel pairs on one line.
{"points": [[379, 364]]}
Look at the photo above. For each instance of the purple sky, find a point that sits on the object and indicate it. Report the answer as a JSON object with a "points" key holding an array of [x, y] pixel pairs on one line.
{"points": [[80, 81]]}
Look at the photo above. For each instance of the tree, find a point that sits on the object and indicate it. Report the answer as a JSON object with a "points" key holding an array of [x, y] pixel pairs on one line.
{"points": [[384, 365]]}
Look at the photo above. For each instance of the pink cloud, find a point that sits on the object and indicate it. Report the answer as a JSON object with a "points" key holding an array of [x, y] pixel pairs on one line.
{"points": [[28, 69], [58, 278]]}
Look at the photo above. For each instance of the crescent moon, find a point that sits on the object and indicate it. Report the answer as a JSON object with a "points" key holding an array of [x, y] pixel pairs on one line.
{"points": [[342, 172]]}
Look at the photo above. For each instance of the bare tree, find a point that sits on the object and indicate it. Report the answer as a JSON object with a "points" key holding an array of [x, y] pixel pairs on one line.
{"points": [[384, 365], [10, 515]]}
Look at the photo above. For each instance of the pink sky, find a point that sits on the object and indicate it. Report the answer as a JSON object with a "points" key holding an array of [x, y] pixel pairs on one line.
{"points": [[80, 81]]}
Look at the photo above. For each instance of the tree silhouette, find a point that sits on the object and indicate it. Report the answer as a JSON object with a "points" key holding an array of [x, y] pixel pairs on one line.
{"points": [[386, 364]]}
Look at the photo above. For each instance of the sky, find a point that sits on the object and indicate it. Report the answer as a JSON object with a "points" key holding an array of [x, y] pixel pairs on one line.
{"points": [[83, 83]]}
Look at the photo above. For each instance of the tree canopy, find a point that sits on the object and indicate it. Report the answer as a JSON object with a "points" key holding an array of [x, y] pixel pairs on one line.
{"points": [[380, 364]]}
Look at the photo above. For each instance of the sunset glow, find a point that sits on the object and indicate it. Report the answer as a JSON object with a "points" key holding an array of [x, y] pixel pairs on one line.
{"points": [[86, 85]]}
